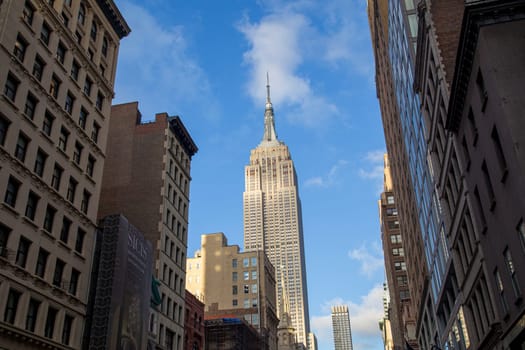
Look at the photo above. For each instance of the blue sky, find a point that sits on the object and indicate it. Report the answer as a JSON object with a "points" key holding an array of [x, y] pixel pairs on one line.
{"points": [[206, 61]]}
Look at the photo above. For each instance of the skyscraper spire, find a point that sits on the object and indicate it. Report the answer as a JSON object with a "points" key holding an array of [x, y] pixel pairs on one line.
{"points": [[270, 136]]}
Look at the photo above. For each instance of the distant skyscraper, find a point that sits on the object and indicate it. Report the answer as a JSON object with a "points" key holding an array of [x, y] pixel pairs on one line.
{"points": [[273, 221], [341, 328]]}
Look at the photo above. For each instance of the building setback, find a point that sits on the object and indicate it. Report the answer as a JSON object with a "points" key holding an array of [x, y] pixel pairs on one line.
{"points": [[57, 70], [273, 220], [235, 284], [147, 178], [341, 328]]}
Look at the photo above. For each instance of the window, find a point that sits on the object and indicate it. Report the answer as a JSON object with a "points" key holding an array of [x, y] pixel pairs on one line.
{"points": [[395, 238], [77, 153], [22, 252], [40, 162], [59, 270], [254, 288], [28, 13], [21, 147], [246, 275], [11, 85], [234, 276], [246, 303], [41, 263], [91, 55], [400, 266], [234, 290], [245, 262], [393, 224], [246, 289], [88, 83], [499, 152], [11, 192], [104, 48], [12, 304], [64, 232], [79, 243], [71, 189], [254, 275], [488, 184], [49, 327], [254, 261], [84, 205], [62, 140], [95, 132], [73, 282], [82, 14], [65, 19], [47, 124], [70, 101], [502, 298], [49, 218], [32, 203], [82, 118], [4, 236], [75, 68], [30, 106], [66, 330], [390, 199], [54, 86], [38, 68], [234, 263], [402, 281], [61, 52], [57, 176], [90, 167], [234, 302], [45, 33], [32, 313], [512, 272], [100, 101], [20, 48], [398, 252], [404, 294], [483, 94], [93, 33], [4, 126]]}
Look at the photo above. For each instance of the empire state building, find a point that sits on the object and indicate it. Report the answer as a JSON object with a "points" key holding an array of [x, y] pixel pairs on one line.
{"points": [[273, 221]]}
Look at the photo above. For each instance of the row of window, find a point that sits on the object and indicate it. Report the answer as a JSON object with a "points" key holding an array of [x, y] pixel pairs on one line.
{"points": [[31, 105], [247, 303], [46, 31], [245, 262], [25, 251], [247, 289], [246, 275], [172, 279], [174, 252], [35, 307], [171, 309], [174, 172]]}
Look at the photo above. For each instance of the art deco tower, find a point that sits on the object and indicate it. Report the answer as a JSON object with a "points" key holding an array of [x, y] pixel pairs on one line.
{"points": [[272, 219], [341, 328]]}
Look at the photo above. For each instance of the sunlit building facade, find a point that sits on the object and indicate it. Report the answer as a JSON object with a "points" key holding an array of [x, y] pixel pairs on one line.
{"points": [[57, 70], [273, 221]]}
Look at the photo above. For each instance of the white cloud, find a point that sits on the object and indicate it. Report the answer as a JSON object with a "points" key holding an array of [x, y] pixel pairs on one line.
{"points": [[370, 261], [330, 179], [373, 169], [277, 46], [155, 67], [364, 317]]}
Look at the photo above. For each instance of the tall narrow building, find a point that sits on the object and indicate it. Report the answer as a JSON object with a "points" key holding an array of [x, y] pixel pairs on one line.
{"points": [[341, 328], [273, 222]]}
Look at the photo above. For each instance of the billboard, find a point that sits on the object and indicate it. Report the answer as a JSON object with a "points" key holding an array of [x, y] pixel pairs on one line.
{"points": [[123, 287]]}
